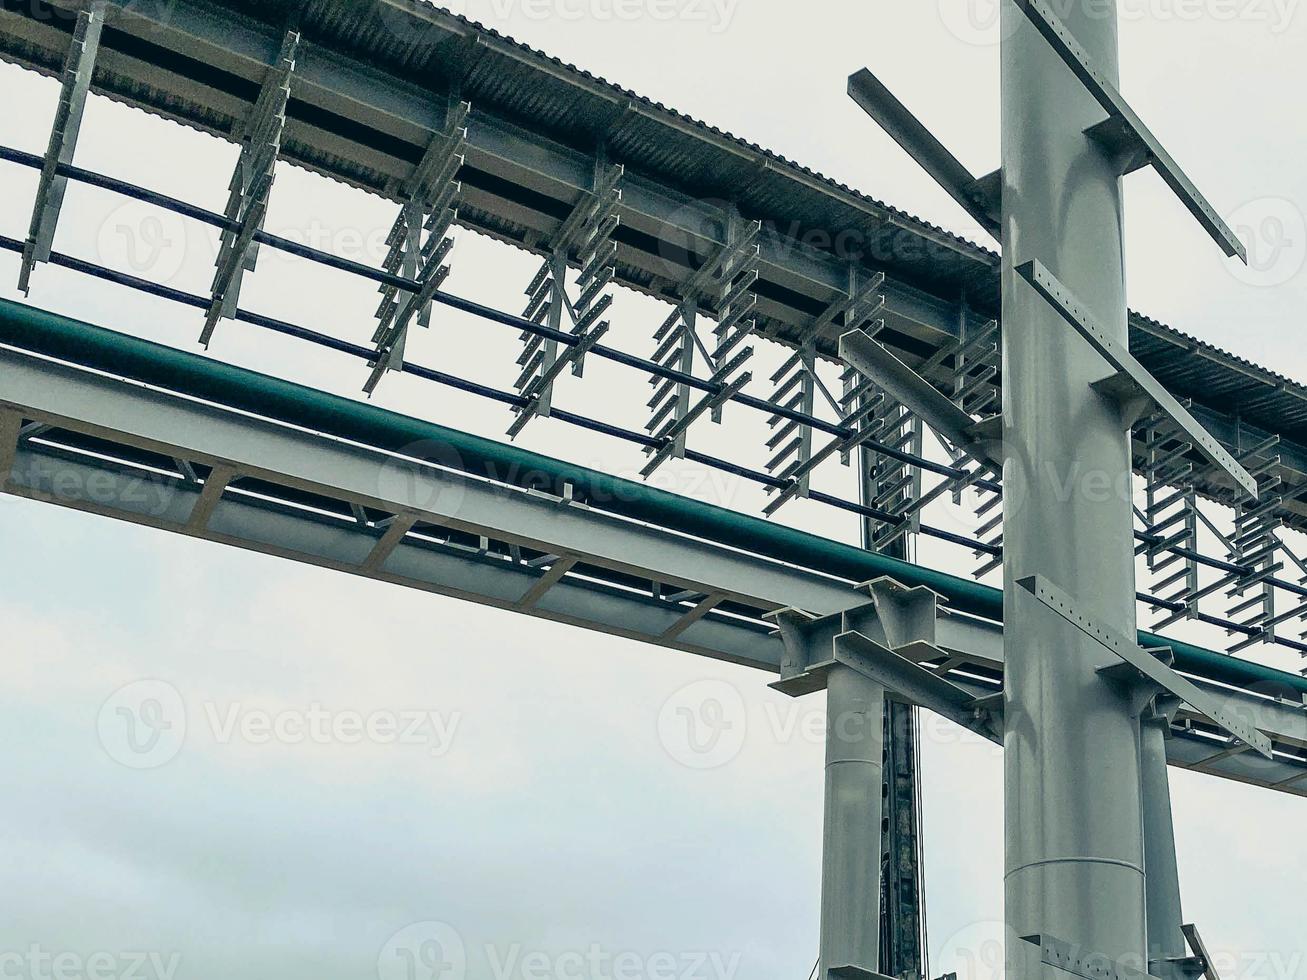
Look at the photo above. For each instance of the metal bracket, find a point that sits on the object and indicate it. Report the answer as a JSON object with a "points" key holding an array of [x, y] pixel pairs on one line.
{"points": [[874, 360], [906, 619], [1200, 951], [1127, 137], [981, 198], [1145, 663], [859, 309], [670, 436], [79, 68], [1132, 377], [908, 615], [11, 427], [854, 973], [428, 203], [915, 683], [251, 185], [391, 338], [1076, 961]]}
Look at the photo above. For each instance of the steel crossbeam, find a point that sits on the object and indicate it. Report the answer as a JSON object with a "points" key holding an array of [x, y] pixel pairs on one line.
{"points": [[1144, 662], [67, 401], [876, 362], [1138, 383], [980, 197], [1124, 133]]}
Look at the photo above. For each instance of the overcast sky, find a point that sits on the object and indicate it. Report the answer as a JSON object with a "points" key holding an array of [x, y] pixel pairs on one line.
{"points": [[534, 808]]}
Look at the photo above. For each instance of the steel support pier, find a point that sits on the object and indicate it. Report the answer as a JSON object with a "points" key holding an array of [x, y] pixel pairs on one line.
{"points": [[1074, 848]]}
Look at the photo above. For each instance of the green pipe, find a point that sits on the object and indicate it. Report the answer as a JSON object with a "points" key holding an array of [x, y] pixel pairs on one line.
{"points": [[52, 335]]}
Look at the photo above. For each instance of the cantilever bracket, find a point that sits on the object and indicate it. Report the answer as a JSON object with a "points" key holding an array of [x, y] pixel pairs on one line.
{"points": [[980, 197], [1132, 381], [916, 684], [1124, 135], [1200, 951], [1080, 962], [860, 352], [1150, 702], [854, 973], [1147, 665], [907, 615], [79, 67]]}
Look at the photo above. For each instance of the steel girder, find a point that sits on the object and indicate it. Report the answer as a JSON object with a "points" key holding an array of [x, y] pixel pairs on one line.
{"points": [[80, 439]]}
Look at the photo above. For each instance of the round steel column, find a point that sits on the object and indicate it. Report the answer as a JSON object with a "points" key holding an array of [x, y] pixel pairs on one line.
{"points": [[850, 883], [1074, 853]]}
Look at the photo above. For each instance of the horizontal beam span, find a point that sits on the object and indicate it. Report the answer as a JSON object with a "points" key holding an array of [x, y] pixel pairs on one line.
{"points": [[87, 345], [498, 536]]}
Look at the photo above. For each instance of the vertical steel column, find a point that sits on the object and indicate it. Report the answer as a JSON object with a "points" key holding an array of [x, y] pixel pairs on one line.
{"points": [[1074, 849], [851, 856], [1166, 942], [902, 912], [902, 908]]}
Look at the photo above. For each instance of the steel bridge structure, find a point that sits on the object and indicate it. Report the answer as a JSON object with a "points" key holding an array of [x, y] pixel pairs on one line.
{"points": [[465, 130]]}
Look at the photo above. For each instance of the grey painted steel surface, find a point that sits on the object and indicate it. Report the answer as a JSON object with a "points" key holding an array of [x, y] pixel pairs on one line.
{"points": [[128, 419], [851, 855], [1166, 944], [1134, 378], [1074, 847], [533, 169], [1145, 663]]}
